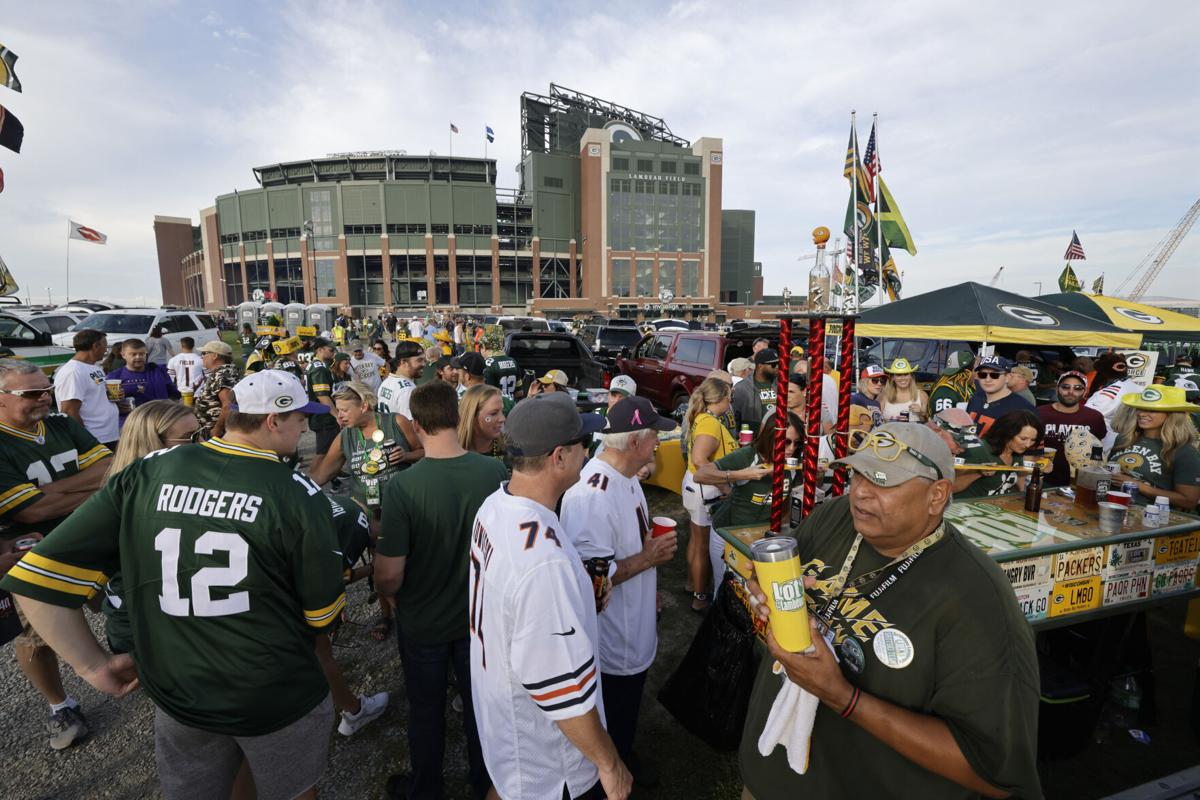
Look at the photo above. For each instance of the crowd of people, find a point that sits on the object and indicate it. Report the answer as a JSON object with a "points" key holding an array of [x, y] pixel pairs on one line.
{"points": [[509, 545]]}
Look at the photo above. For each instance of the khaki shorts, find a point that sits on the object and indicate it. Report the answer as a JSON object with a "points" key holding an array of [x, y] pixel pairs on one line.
{"points": [[29, 637]]}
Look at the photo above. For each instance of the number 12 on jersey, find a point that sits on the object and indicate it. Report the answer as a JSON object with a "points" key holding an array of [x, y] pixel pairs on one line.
{"points": [[202, 604]]}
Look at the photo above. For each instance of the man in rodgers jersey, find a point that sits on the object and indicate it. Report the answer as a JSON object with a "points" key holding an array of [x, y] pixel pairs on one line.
{"points": [[231, 567], [532, 622], [49, 465], [499, 369]]}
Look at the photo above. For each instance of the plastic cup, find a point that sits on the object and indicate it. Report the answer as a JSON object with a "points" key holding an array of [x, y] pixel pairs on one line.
{"points": [[188, 397], [661, 526], [792, 463], [1112, 517], [1121, 498], [113, 387], [777, 565], [1048, 457]]}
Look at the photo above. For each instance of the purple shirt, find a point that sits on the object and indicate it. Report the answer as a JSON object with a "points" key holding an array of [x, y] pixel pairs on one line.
{"points": [[153, 383]]}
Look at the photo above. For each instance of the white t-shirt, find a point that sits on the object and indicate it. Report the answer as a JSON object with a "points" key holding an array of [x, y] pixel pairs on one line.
{"points": [[415, 329], [1107, 401], [76, 380], [394, 394], [187, 370], [829, 398], [605, 514], [533, 648], [366, 369]]}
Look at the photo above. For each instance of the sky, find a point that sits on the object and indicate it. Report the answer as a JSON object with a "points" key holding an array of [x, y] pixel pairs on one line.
{"points": [[1002, 126]]}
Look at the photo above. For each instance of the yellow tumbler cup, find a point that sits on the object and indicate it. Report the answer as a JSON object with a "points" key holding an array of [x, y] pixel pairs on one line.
{"points": [[777, 565]]}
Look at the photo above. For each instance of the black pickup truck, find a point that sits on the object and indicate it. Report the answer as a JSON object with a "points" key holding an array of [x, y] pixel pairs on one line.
{"points": [[536, 353]]}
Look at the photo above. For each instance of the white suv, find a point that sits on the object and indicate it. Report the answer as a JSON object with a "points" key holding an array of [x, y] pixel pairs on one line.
{"points": [[120, 324]]}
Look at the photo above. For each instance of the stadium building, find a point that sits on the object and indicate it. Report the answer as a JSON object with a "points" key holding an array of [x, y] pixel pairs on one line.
{"points": [[614, 214]]}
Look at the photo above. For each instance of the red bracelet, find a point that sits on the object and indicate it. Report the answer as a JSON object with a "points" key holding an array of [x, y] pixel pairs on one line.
{"points": [[850, 706]]}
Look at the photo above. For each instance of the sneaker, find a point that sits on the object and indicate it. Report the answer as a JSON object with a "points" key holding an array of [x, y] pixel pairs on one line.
{"points": [[65, 727], [372, 707]]}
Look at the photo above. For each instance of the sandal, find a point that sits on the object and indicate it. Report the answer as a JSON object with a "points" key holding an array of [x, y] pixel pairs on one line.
{"points": [[701, 601], [382, 629]]}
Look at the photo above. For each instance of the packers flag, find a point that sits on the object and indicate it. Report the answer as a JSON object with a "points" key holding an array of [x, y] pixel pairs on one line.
{"points": [[891, 275], [1098, 285], [7, 284], [8, 63], [860, 190], [12, 132], [1067, 282]]}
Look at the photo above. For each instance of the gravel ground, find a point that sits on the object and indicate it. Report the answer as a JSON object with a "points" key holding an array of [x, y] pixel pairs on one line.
{"points": [[117, 759]]}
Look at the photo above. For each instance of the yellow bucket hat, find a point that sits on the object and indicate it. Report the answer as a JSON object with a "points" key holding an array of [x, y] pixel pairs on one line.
{"points": [[1160, 398], [900, 366]]}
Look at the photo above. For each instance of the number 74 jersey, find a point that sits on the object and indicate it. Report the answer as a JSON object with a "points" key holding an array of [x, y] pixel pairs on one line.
{"points": [[533, 647], [230, 565]]}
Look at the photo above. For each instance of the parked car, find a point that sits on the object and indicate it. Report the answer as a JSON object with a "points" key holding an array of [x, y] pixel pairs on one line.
{"points": [[136, 323], [536, 353], [557, 325], [671, 324], [510, 324], [668, 365], [20, 339], [608, 341], [53, 321]]}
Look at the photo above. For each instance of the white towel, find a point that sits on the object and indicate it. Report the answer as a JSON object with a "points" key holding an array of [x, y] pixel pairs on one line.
{"points": [[790, 722]]}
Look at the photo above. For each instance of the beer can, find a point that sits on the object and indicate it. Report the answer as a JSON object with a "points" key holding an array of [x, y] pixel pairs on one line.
{"points": [[1131, 488], [597, 569], [777, 566], [904, 415]]}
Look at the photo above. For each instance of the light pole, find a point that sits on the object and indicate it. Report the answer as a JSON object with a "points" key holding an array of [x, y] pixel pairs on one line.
{"points": [[312, 255], [1039, 285]]}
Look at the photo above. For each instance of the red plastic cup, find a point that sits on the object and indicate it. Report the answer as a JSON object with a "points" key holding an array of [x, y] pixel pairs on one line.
{"points": [[661, 527], [1123, 498]]}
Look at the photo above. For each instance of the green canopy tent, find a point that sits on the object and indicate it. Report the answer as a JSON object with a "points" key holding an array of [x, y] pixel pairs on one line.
{"points": [[1155, 324], [974, 312]]}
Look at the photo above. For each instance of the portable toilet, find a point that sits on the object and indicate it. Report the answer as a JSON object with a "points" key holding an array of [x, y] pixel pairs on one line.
{"points": [[268, 309], [320, 316], [294, 316], [247, 313]]}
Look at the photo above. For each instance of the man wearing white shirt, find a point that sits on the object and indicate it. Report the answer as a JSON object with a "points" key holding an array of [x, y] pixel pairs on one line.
{"points": [[185, 367], [80, 392], [365, 365], [415, 328], [605, 514]]}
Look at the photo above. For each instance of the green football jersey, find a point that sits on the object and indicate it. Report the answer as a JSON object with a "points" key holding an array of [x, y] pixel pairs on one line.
{"points": [[230, 565], [318, 380], [351, 526], [57, 448], [503, 373]]}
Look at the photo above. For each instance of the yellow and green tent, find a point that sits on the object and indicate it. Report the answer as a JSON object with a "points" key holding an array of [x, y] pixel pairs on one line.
{"points": [[1155, 324]]}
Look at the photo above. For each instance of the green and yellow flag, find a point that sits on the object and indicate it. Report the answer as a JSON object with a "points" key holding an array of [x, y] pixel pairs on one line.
{"points": [[1067, 282], [1098, 285], [8, 284], [8, 63], [895, 229]]}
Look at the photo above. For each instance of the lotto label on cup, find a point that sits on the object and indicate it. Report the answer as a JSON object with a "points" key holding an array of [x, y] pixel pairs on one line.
{"points": [[777, 565]]}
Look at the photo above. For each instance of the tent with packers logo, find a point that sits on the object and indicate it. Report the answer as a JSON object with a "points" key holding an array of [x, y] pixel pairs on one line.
{"points": [[977, 313], [1155, 324]]}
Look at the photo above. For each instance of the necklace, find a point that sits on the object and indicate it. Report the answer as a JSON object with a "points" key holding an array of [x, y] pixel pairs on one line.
{"points": [[901, 563]]}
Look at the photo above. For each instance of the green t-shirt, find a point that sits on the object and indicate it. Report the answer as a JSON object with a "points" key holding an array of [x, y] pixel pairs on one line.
{"points": [[503, 373], [230, 566], [986, 485], [1143, 458], [431, 527], [946, 638], [57, 448], [318, 380], [749, 503]]}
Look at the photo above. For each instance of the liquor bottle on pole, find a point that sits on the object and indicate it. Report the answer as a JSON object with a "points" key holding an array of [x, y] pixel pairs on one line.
{"points": [[819, 277]]}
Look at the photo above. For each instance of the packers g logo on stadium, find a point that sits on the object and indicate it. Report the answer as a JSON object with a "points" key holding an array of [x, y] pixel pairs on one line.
{"points": [[284, 401], [1031, 315], [1151, 395]]}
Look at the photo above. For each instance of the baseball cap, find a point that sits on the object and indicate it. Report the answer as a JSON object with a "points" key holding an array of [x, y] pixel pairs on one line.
{"points": [[543, 422], [897, 452], [1073, 373], [768, 355], [1024, 372], [636, 414], [473, 363], [994, 362], [872, 371], [797, 350], [740, 365], [623, 384], [218, 347], [318, 343], [341, 357], [555, 376], [273, 391], [959, 359], [356, 344], [408, 349]]}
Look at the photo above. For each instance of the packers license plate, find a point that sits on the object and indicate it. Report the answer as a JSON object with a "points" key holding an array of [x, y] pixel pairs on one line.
{"points": [[1072, 597]]}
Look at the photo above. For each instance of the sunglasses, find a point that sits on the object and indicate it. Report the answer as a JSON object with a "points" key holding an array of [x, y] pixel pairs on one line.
{"points": [[1070, 387], [888, 448], [197, 436], [989, 376], [30, 394], [877, 380]]}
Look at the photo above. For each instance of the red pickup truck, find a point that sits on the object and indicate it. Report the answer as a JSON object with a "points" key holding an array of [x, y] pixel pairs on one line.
{"points": [[669, 364]]}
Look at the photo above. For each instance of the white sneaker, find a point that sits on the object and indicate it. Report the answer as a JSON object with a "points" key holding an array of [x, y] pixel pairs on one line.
{"points": [[372, 706]]}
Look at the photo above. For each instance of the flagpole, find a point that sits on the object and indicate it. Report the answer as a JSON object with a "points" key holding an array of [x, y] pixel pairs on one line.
{"points": [[878, 224], [68, 261], [854, 198]]}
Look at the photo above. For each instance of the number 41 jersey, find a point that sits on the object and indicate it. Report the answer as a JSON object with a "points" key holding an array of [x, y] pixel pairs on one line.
{"points": [[230, 565]]}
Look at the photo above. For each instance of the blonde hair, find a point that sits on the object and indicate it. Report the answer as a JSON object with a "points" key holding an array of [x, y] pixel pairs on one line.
{"points": [[917, 394], [710, 391], [1176, 433], [144, 430], [468, 410], [357, 392]]}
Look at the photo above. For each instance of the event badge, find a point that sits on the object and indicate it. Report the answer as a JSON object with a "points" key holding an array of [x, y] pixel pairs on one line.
{"points": [[893, 648], [852, 655]]}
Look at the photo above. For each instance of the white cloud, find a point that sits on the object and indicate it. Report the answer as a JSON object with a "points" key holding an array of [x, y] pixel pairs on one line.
{"points": [[1002, 128]]}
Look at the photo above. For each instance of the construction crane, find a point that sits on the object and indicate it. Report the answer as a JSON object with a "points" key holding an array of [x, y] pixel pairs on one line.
{"points": [[1158, 256], [996, 278]]}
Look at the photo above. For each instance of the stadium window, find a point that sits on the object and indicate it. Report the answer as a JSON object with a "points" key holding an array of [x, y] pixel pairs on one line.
{"points": [[645, 165], [620, 163], [439, 230], [231, 238], [691, 168], [645, 277], [620, 277], [325, 282], [460, 230], [691, 278], [667, 167], [482, 230]]}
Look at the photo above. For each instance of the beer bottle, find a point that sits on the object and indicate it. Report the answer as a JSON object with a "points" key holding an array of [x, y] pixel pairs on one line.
{"points": [[1033, 491]]}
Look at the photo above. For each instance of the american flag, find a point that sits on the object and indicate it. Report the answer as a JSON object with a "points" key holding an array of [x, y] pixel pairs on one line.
{"points": [[1074, 249], [453, 128], [871, 162]]}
